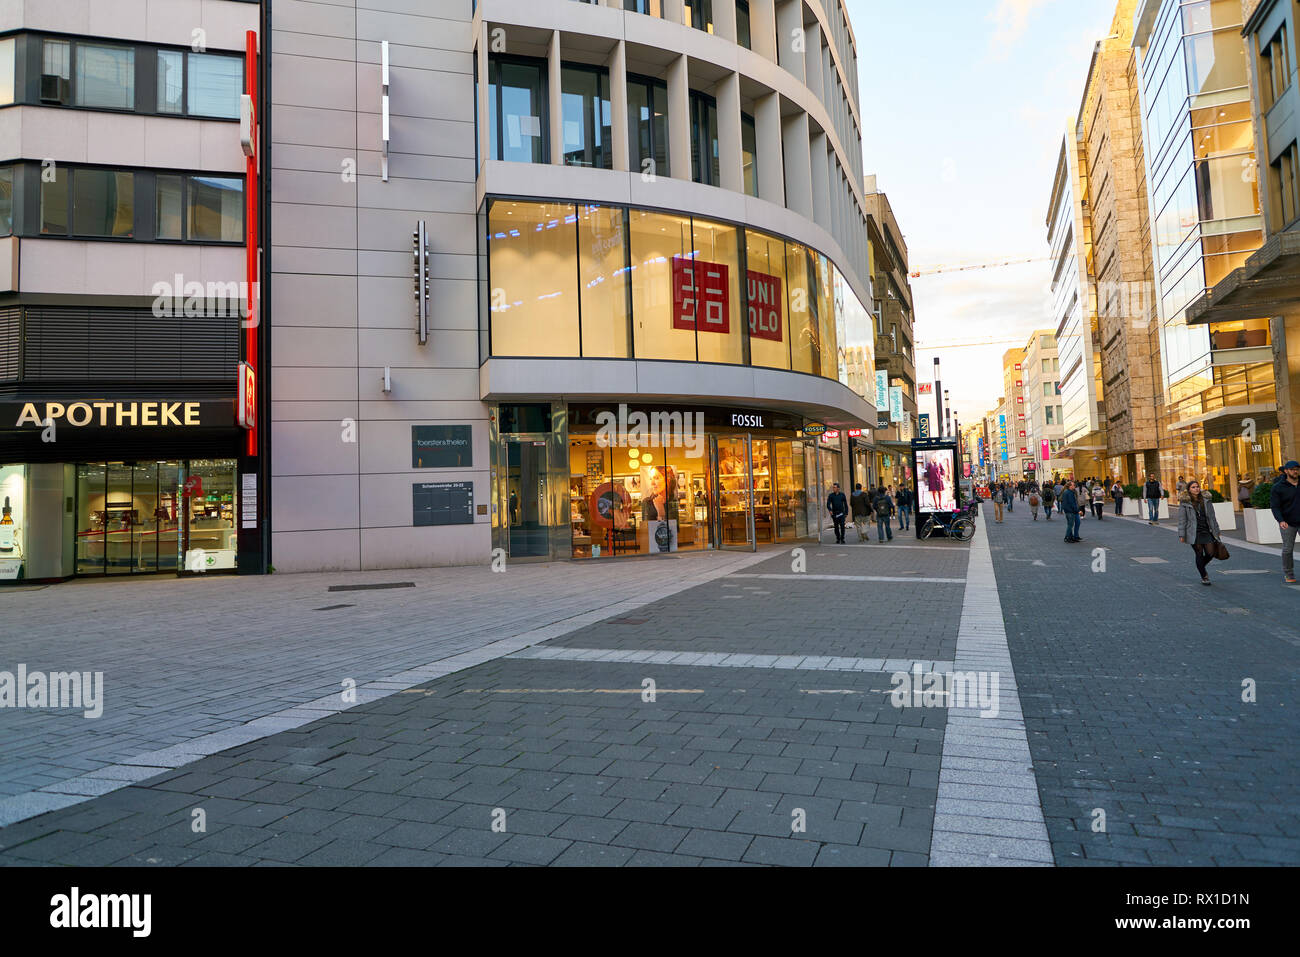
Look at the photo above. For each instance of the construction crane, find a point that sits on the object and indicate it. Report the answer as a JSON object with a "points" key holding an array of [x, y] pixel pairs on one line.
{"points": [[917, 274]]}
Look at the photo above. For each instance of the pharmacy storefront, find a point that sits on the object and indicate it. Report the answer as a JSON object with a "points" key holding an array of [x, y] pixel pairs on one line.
{"points": [[607, 480], [117, 487]]}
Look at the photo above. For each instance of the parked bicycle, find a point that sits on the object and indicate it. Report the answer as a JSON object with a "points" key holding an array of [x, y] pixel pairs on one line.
{"points": [[959, 525]]}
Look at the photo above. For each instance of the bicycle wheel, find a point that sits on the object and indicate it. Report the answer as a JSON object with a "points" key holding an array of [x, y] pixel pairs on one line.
{"points": [[963, 530], [928, 528]]}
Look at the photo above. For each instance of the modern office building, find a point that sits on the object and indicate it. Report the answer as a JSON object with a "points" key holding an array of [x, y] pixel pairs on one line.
{"points": [[1044, 432], [895, 352], [1219, 419], [1074, 306], [641, 314], [128, 292], [1267, 285]]}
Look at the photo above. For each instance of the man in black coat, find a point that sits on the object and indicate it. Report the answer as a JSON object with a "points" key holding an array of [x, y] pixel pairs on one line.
{"points": [[1285, 502], [838, 506]]}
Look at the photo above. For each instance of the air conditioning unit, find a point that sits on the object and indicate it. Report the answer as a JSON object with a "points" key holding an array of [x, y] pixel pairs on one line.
{"points": [[55, 88]]}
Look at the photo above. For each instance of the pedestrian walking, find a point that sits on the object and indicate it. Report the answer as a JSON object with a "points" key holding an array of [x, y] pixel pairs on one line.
{"points": [[1243, 494], [1117, 493], [1072, 509], [1198, 526], [1049, 499], [1180, 487], [1285, 502], [1010, 496], [999, 497], [884, 509], [860, 510], [904, 502], [1098, 500], [1152, 493], [1033, 504], [838, 506]]}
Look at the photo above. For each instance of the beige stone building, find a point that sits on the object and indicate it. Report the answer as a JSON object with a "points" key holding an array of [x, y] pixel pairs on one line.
{"points": [[1109, 129]]}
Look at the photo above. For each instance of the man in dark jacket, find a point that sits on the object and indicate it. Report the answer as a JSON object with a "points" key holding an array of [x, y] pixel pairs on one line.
{"points": [[884, 509], [903, 499], [838, 506], [1071, 508], [1151, 492], [1285, 502], [860, 508]]}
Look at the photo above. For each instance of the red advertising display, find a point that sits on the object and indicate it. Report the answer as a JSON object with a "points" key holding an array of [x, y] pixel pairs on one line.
{"points": [[764, 305], [701, 295]]}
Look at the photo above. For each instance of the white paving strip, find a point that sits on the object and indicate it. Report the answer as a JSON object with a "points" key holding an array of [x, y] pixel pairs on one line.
{"points": [[988, 810], [719, 659], [912, 579]]}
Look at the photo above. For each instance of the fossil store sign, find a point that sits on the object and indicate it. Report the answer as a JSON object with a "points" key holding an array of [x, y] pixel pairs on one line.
{"points": [[117, 413]]}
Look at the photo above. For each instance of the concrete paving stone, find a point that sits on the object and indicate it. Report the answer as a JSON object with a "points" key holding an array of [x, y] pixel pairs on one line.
{"points": [[644, 858], [580, 854], [842, 855], [408, 857], [782, 851], [661, 838]]}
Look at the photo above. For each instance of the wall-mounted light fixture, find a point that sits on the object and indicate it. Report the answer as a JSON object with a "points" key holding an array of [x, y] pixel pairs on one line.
{"points": [[388, 380], [383, 52]]}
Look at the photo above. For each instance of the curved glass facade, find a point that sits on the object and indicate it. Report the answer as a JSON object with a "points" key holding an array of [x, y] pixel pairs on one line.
{"points": [[578, 280]]}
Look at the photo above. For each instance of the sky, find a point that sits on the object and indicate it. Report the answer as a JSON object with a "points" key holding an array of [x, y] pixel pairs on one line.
{"points": [[964, 107]]}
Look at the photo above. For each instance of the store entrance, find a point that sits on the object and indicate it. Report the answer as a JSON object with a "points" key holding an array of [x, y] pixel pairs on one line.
{"points": [[527, 524], [735, 509]]}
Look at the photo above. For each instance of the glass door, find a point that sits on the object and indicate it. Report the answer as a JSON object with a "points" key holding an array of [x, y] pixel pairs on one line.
{"points": [[527, 522], [122, 519], [735, 511]]}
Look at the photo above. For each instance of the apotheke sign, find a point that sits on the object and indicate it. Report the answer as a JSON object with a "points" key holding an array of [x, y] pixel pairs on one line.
{"points": [[117, 414]]}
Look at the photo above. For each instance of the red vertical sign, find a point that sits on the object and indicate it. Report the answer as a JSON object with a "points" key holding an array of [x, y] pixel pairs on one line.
{"points": [[251, 271]]}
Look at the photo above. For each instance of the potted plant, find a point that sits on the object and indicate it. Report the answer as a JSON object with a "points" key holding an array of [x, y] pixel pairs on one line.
{"points": [[1133, 504], [1223, 511], [1257, 517]]}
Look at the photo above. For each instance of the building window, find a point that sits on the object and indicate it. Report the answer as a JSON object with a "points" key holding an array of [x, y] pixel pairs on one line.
{"points": [[6, 71], [1274, 68], [56, 71], [54, 202], [585, 116], [704, 139], [749, 153], [6, 201], [171, 82], [517, 110], [214, 84], [653, 8], [699, 14], [533, 272], [103, 203], [1283, 176], [647, 118], [1050, 412], [105, 77], [216, 209], [742, 24]]}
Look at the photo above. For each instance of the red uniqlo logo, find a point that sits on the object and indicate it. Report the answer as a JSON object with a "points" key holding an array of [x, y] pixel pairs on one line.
{"points": [[764, 306], [701, 295]]}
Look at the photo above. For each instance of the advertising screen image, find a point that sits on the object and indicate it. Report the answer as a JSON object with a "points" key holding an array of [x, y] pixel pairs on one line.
{"points": [[935, 481]]}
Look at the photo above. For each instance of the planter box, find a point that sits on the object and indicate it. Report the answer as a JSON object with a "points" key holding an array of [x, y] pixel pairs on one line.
{"points": [[1226, 515], [1135, 506], [1261, 527]]}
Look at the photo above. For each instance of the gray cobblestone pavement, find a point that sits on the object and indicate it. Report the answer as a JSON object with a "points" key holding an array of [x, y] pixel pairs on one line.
{"points": [[1131, 680], [717, 769]]}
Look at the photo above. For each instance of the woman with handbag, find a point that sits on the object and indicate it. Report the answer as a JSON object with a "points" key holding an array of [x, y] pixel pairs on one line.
{"points": [[1198, 527]]}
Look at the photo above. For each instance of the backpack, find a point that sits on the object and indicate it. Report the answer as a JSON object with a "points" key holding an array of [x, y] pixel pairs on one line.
{"points": [[1033, 500], [882, 507]]}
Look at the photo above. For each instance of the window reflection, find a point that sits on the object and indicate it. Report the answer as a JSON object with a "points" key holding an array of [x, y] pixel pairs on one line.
{"points": [[663, 288], [717, 293], [533, 279], [603, 278], [768, 309]]}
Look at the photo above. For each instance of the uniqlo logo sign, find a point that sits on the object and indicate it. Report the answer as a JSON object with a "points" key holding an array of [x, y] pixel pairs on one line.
{"points": [[701, 295], [764, 305]]}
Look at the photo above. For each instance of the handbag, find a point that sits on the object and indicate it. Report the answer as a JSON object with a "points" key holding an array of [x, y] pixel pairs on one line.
{"points": [[1221, 551]]}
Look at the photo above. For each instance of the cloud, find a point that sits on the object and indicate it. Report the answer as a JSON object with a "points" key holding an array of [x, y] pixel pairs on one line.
{"points": [[1010, 20]]}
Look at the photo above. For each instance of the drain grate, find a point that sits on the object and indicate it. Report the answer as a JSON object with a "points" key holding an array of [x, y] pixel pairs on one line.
{"points": [[374, 587], [332, 607]]}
